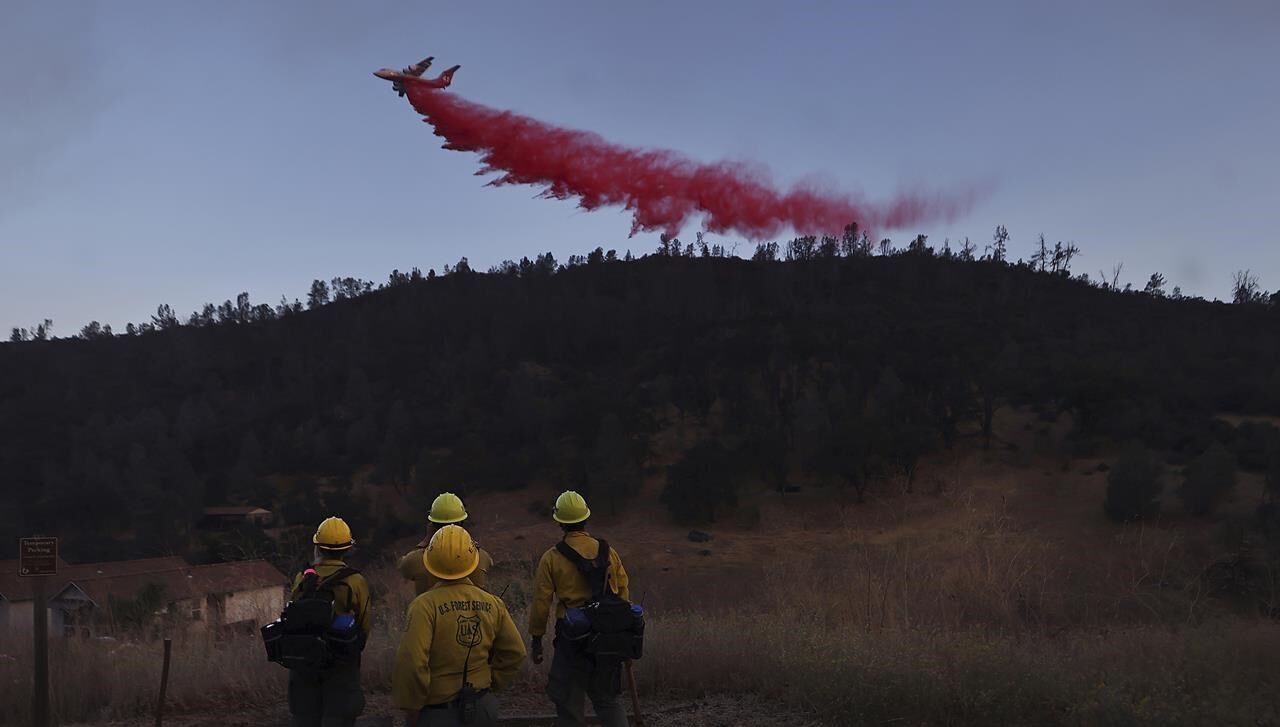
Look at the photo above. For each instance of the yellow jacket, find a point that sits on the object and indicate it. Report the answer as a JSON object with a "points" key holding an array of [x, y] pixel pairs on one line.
{"points": [[413, 569], [443, 624], [556, 576], [353, 600]]}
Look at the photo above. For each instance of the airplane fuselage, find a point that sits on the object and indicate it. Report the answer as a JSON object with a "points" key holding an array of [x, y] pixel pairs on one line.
{"points": [[401, 80]]}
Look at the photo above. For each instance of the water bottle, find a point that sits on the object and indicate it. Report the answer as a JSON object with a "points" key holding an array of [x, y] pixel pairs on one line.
{"points": [[637, 631], [577, 622], [342, 637]]}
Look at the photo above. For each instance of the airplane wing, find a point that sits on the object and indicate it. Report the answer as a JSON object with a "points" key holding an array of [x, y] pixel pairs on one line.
{"points": [[417, 69]]}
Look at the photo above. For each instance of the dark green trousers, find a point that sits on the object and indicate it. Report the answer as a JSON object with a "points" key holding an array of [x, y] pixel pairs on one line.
{"points": [[486, 715], [574, 678], [327, 698]]}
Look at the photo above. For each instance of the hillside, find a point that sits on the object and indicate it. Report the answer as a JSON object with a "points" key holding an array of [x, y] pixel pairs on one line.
{"points": [[994, 593], [831, 371], [901, 463]]}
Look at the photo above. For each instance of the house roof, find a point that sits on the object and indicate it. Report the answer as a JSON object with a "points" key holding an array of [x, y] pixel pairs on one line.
{"points": [[126, 579], [17, 588], [234, 577], [14, 587], [179, 583], [235, 511]]}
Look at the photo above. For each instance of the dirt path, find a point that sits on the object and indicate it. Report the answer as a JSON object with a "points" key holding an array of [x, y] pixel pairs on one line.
{"points": [[723, 711]]}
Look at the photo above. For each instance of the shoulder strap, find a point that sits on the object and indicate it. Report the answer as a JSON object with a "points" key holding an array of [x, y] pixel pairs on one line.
{"points": [[339, 578], [329, 582], [339, 575], [602, 555], [602, 590], [596, 571], [575, 557]]}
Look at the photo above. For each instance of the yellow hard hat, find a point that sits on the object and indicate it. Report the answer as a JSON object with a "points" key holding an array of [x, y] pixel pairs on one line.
{"points": [[451, 554], [333, 534], [447, 508], [570, 508]]}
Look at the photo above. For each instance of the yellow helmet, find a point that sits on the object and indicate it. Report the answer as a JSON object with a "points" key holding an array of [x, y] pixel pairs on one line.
{"points": [[451, 554], [333, 534], [570, 508], [447, 508]]}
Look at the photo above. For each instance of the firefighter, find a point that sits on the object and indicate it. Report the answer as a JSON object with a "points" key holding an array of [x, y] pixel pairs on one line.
{"points": [[460, 645], [575, 676], [332, 696], [446, 509]]}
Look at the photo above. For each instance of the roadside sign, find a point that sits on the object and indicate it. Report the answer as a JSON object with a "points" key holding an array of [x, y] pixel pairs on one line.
{"points": [[38, 557]]}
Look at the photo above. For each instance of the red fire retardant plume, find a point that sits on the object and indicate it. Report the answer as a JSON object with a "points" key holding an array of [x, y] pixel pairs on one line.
{"points": [[662, 189]]}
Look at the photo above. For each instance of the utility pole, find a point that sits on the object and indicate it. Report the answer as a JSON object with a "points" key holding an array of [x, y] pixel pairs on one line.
{"points": [[37, 560], [40, 694]]}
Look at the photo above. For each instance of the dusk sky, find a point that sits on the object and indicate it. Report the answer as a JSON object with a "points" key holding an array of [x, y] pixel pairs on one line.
{"points": [[181, 152]]}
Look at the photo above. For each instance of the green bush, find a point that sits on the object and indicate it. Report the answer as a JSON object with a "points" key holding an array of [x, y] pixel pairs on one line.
{"points": [[701, 483], [1208, 480], [1133, 487]]}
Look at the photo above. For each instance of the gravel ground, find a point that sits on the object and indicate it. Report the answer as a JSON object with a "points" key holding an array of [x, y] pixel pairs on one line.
{"points": [[717, 711]]}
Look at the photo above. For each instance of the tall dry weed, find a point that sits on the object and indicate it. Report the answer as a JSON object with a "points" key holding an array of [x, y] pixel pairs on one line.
{"points": [[1139, 676], [987, 627]]}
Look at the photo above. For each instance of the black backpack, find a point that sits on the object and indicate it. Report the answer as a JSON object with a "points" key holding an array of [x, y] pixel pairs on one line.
{"points": [[608, 627], [304, 636]]}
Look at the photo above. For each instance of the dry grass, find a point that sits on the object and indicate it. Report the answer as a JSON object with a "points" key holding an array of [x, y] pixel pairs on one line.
{"points": [[1002, 598], [100, 679], [795, 660], [990, 627], [900, 633], [1140, 676]]}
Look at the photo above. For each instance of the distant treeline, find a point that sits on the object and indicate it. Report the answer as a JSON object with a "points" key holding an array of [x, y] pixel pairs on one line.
{"points": [[1055, 260], [816, 359]]}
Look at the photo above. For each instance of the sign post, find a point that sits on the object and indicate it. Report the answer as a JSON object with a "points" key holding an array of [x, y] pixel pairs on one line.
{"points": [[37, 560]]}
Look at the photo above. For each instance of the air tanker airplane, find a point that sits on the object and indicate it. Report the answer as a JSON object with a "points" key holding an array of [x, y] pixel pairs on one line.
{"points": [[413, 75]]}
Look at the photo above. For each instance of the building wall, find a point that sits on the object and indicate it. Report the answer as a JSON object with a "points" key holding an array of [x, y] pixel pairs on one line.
{"points": [[18, 618], [56, 621], [260, 605], [183, 613]]}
